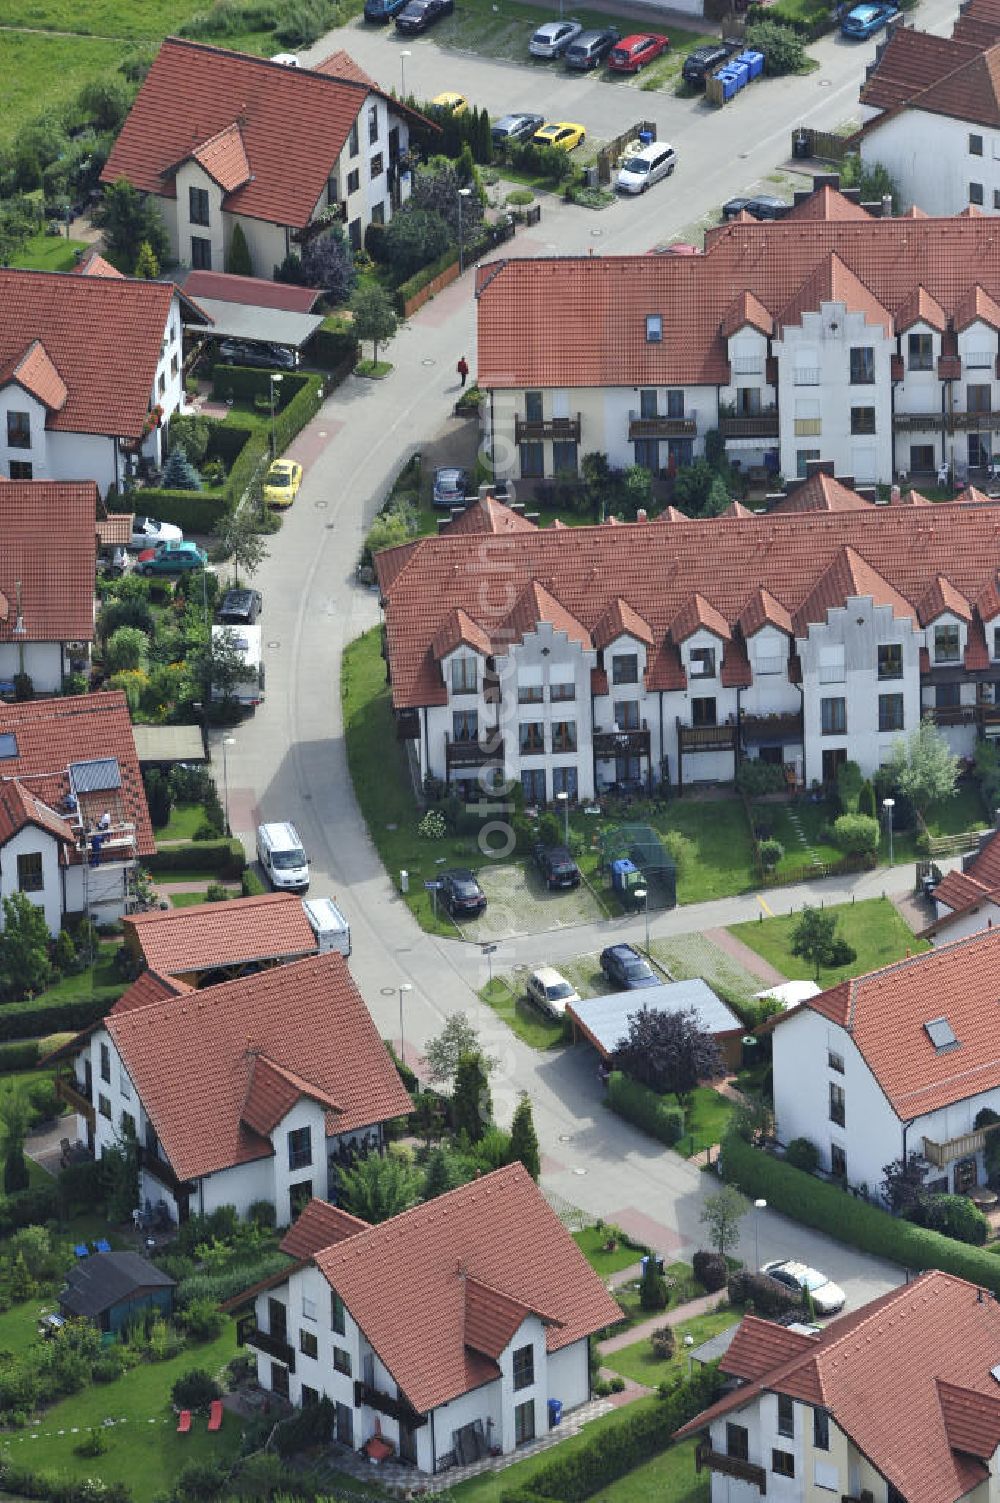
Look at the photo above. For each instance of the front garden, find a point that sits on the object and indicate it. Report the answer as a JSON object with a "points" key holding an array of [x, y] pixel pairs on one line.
{"points": [[874, 929]]}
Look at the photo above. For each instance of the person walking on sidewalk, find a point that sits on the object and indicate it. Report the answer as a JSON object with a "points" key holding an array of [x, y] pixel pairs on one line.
{"points": [[463, 369]]}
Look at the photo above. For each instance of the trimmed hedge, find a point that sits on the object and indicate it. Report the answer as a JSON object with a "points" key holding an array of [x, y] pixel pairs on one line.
{"points": [[28, 1020], [22, 1483], [420, 278], [20, 1056], [638, 1104], [191, 511], [295, 414], [29, 1208], [244, 382], [616, 1450], [333, 350], [226, 442], [223, 858], [829, 1209]]}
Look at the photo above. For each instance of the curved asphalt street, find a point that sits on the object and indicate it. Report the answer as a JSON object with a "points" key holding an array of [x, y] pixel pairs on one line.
{"points": [[288, 761]]}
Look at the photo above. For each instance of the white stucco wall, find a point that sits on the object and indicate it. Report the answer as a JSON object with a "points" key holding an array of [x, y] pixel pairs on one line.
{"points": [[49, 899], [43, 662], [99, 890], [928, 157], [986, 916]]}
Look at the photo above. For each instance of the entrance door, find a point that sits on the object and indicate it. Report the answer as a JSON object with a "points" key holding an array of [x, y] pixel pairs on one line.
{"points": [[966, 1177], [407, 1444], [774, 755], [833, 761], [345, 1425], [979, 450]]}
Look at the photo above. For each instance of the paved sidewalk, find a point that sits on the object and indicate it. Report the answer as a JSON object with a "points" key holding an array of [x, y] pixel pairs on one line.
{"points": [[747, 958], [675, 1317]]}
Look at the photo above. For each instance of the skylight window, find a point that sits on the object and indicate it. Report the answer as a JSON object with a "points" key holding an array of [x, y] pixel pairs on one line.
{"points": [[654, 328], [8, 744], [941, 1034]]}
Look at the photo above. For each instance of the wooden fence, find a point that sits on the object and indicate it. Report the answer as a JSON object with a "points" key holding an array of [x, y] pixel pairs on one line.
{"points": [[442, 280]]}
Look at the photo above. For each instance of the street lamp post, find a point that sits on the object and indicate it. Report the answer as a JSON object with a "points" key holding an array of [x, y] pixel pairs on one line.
{"points": [[402, 71], [404, 986], [888, 804], [758, 1206], [275, 381], [564, 800], [641, 894], [462, 193], [226, 742]]}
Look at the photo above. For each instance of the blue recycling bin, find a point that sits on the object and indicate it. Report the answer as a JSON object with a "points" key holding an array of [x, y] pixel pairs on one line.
{"points": [[741, 73], [623, 874], [754, 61], [555, 1412], [646, 137], [727, 79]]}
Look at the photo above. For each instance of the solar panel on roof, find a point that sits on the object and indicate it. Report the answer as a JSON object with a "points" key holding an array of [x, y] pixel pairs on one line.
{"points": [[8, 744], [941, 1034], [97, 776]]}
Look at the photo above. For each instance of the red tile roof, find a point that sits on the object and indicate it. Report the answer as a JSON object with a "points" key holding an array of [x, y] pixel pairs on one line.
{"points": [[979, 22], [543, 322], [492, 1318], [885, 1013], [821, 492], [36, 373], [406, 1283], [833, 282], [51, 734], [621, 620], [921, 308], [964, 891], [827, 204], [941, 75], [101, 337], [226, 287], [489, 515], [216, 934], [908, 1378], [976, 305], [746, 310], [292, 124], [340, 64], [94, 265], [697, 614], [319, 1225], [458, 629], [940, 599], [763, 610], [306, 1018], [805, 561], [19, 808], [150, 988], [272, 1093], [56, 580]]}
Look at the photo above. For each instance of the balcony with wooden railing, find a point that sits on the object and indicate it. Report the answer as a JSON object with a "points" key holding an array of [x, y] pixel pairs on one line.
{"points": [[952, 714], [661, 427], [751, 424], [705, 1459], [68, 1090], [779, 727], [562, 429], [473, 751], [271, 1346], [703, 738], [384, 1403], [965, 1146], [622, 743]]}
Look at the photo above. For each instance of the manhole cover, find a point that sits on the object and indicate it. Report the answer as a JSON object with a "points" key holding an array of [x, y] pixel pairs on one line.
{"points": [[744, 155], [330, 526], [579, 1171], [306, 798], [565, 1137], [428, 362], [273, 645], [824, 83], [595, 233], [320, 505], [387, 991]]}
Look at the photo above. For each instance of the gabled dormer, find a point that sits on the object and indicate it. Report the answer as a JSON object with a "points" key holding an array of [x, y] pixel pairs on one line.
{"points": [[977, 329], [701, 633], [460, 648], [946, 617], [767, 633], [921, 326]]}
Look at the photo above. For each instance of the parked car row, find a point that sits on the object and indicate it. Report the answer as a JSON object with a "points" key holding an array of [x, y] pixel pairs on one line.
{"points": [[583, 49]]}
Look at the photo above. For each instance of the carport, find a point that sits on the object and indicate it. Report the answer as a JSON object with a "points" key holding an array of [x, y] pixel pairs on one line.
{"points": [[163, 745], [603, 1021], [250, 308]]}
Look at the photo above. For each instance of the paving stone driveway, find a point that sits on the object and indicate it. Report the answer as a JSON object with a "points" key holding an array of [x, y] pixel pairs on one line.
{"points": [[518, 902]]}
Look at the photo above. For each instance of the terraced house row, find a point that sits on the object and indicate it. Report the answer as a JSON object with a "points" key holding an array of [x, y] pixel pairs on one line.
{"points": [[574, 659], [869, 342]]}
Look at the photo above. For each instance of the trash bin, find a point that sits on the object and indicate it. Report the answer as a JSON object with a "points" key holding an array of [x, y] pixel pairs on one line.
{"points": [[555, 1412], [646, 137], [404, 881], [591, 177], [800, 145]]}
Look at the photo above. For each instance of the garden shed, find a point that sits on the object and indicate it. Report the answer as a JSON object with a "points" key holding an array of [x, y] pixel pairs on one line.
{"points": [[642, 845], [603, 1021], [112, 1289]]}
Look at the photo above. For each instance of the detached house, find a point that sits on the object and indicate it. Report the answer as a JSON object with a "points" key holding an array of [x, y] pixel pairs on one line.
{"points": [[968, 900], [898, 1400], [252, 1090], [932, 113], [827, 335], [73, 815], [221, 139], [441, 1335], [46, 608], [90, 373], [215, 942], [573, 659], [900, 1061]]}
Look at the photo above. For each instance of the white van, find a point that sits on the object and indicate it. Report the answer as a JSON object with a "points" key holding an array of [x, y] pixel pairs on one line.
{"points": [[248, 690], [647, 166], [329, 925], [280, 853]]}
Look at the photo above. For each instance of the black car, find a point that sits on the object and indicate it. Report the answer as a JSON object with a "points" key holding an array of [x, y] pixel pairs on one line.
{"points": [[703, 61], [625, 968], [461, 893], [257, 352], [515, 128], [764, 206], [591, 48], [239, 608], [557, 866], [417, 15]]}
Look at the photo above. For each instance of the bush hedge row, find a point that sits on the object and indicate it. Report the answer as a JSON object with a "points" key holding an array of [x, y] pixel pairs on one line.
{"points": [[20, 1482], [245, 382], [615, 1450], [638, 1104], [420, 278], [826, 1207], [223, 858], [331, 350], [295, 414], [191, 511], [29, 1020], [20, 1056]]}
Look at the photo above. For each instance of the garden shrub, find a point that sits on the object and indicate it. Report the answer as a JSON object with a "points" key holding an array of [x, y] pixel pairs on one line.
{"points": [[25, 1020], [223, 858], [653, 1291], [755, 778], [20, 1056], [192, 511], [638, 1104], [803, 1154], [769, 1298], [710, 1269], [250, 884], [420, 279], [825, 1206], [310, 1426], [203, 1320], [781, 45], [663, 1343], [195, 1389], [769, 853], [953, 1216], [22, 1483], [856, 834]]}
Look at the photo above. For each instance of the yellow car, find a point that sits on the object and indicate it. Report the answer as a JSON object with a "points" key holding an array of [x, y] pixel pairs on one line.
{"points": [[282, 481], [455, 104], [563, 134]]}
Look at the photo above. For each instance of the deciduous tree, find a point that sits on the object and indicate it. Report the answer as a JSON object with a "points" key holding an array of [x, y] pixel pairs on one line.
{"points": [[668, 1051], [237, 535], [458, 1036], [815, 939], [924, 766], [24, 947], [374, 316], [722, 1214]]}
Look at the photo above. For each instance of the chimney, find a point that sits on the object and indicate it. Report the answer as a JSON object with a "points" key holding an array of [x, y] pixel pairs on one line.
{"points": [[895, 496], [642, 515], [886, 205]]}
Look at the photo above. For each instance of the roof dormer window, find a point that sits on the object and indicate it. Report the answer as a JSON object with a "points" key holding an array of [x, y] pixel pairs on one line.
{"points": [[654, 328], [941, 1035]]}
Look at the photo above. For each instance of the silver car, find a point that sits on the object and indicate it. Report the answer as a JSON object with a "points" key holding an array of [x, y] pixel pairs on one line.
{"points": [[827, 1297], [552, 39], [550, 991]]}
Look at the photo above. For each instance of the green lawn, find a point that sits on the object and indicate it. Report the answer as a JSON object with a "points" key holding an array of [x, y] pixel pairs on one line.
{"points": [[48, 252], [522, 1016], [720, 862], [145, 1451], [669, 1478], [956, 815], [192, 899], [184, 820], [488, 1487], [638, 1363], [102, 976], [874, 928], [183, 874], [785, 821], [44, 72], [591, 1243], [706, 1121]]}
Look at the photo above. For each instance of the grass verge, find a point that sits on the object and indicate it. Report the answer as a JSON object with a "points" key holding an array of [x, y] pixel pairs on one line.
{"points": [[669, 1478], [48, 252], [706, 1120], [638, 1363], [522, 1016], [874, 928], [184, 820], [591, 1242]]}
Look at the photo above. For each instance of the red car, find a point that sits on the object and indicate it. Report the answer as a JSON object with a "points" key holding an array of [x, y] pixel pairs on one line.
{"points": [[634, 52]]}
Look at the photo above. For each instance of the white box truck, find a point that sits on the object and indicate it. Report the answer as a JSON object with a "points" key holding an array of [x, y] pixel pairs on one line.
{"points": [[248, 690], [329, 925]]}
